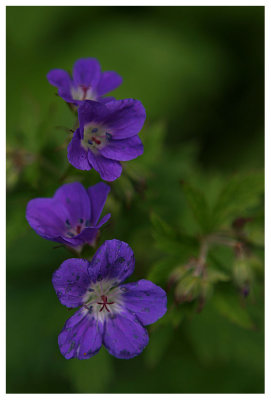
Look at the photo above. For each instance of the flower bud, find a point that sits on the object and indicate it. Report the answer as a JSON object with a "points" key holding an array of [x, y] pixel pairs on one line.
{"points": [[188, 288], [242, 275], [177, 274]]}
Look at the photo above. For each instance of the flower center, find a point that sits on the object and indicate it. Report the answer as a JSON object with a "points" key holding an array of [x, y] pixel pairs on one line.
{"points": [[82, 92], [77, 228], [95, 137], [103, 299], [104, 303]]}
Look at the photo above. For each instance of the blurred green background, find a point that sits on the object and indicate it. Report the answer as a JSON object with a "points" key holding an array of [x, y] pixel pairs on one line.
{"points": [[199, 71]]}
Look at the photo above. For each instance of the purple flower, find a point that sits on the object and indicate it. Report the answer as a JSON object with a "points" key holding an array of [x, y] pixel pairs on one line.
{"points": [[71, 216], [88, 82], [112, 313], [107, 134]]}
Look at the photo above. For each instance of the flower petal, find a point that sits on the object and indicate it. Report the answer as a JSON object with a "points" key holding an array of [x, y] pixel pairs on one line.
{"points": [[71, 281], [91, 111], [46, 217], [109, 170], [88, 235], [109, 81], [123, 150], [113, 260], [86, 72], [147, 300], [61, 79], [97, 195], [77, 155], [82, 337], [107, 99], [126, 118], [124, 336], [103, 220], [74, 197]]}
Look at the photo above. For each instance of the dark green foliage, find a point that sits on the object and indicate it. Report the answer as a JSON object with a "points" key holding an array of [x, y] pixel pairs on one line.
{"points": [[199, 206], [240, 193]]}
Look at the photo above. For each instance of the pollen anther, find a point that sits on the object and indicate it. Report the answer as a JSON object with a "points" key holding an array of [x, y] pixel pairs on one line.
{"points": [[105, 303]]}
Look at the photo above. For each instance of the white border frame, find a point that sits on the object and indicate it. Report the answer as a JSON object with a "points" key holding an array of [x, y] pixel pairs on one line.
{"points": [[267, 198]]}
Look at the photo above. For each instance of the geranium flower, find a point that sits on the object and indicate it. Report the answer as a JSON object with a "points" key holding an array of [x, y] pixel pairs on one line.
{"points": [[71, 216], [107, 134], [111, 313], [88, 82]]}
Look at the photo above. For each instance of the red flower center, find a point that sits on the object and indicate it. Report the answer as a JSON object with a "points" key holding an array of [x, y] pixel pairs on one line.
{"points": [[104, 303], [85, 89], [78, 229], [97, 141]]}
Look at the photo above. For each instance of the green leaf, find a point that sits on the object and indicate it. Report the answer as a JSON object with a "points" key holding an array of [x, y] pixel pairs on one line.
{"points": [[93, 375], [160, 226], [171, 241], [198, 205], [217, 276], [221, 258], [162, 269], [254, 230], [159, 342], [216, 341], [153, 138], [239, 194], [229, 306]]}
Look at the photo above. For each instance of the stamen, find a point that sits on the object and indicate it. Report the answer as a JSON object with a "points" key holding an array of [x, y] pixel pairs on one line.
{"points": [[78, 229], [104, 303], [95, 137], [97, 141], [85, 89]]}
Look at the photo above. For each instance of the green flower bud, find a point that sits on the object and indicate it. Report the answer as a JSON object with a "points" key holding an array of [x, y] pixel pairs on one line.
{"points": [[188, 288], [242, 274]]}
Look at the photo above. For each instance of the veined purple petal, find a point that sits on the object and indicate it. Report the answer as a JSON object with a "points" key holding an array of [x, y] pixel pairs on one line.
{"points": [[61, 79], [71, 281], [107, 99], [68, 241], [97, 196], [77, 155], [123, 150], [74, 197], [147, 300], [113, 260], [87, 72], [91, 111], [83, 339], [103, 220], [126, 118], [109, 170], [109, 81], [124, 336], [88, 235], [46, 217]]}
